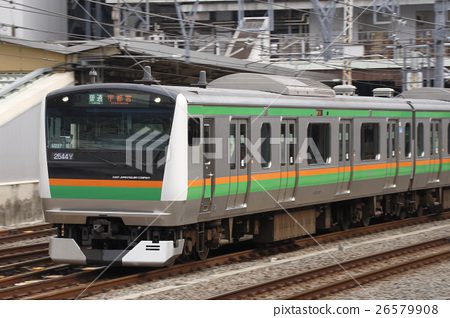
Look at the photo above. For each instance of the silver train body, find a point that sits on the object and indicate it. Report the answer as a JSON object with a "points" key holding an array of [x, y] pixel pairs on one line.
{"points": [[141, 175]]}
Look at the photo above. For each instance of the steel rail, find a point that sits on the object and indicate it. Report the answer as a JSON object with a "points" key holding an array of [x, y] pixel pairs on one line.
{"points": [[17, 251], [103, 285], [280, 283], [372, 276], [26, 233], [9, 281]]}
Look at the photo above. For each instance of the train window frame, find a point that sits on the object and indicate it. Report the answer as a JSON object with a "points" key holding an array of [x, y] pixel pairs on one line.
{"points": [[194, 131], [341, 142], [408, 138], [448, 138], [388, 141], [232, 148], [347, 136], [431, 138], [291, 143], [420, 140], [266, 147], [323, 144], [242, 145], [375, 142], [283, 142], [436, 144], [394, 140]]}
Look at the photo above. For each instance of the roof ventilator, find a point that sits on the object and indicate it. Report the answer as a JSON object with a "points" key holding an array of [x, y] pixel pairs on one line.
{"points": [[202, 80], [148, 78], [383, 92], [93, 75], [348, 90]]}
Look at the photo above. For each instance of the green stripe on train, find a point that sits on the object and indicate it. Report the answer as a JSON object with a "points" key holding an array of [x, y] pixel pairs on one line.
{"points": [[225, 110], [154, 194], [433, 114], [308, 112], [304, 181], [292, 111], [105, 193]]}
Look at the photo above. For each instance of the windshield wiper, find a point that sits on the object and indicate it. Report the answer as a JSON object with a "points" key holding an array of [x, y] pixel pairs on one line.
{"points": [[104, 160]]}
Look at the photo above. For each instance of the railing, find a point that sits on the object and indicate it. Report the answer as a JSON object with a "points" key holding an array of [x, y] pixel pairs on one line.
{"points": [[24, 80]]}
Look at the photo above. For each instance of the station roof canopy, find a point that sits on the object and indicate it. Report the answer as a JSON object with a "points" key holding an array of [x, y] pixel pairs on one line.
{"points": [[427, 93], [168, 63]]}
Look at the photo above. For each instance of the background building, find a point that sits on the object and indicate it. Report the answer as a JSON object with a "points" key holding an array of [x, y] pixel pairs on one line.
{"points": [[34, 20]]}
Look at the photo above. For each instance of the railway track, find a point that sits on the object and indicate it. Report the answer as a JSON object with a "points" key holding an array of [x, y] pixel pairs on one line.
{"points": [[23, 256], [26, 233], [331, 279], [81, 284], [15, 259]]}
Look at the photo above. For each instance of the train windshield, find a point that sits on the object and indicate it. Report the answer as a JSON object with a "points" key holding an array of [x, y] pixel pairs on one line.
{"points": [[108, 134]]}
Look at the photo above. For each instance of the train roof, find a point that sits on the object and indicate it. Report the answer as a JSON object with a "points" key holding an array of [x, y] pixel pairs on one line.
{"points": [[225, 97], [249, 89], [244, 97]]}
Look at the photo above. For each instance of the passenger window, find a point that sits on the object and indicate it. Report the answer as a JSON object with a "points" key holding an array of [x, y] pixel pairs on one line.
{"points": [[319, 144], [420, 141], [431, 139], [388, 139], [436, 141], [408, 140], [243, 145], [232, 147], [291, 142], [347, 142], [265, 146], [283, 144], [393, 139], [370, 141], [193, 131], [448, 139], [341, 136]]}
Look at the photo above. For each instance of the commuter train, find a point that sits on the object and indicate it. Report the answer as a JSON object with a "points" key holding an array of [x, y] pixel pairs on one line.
{"points": [[140, 175]]}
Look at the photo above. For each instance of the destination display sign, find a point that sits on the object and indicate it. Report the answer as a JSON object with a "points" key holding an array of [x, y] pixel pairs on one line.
{"points": [[112, 99], [109, 99]]}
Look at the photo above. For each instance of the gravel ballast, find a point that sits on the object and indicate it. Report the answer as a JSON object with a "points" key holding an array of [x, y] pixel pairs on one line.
{"points": [[212, 281]]}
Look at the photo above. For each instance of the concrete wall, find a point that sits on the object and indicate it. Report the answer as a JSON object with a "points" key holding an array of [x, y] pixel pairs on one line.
{"points": [[19, 169], [19, 149], [20, 203], [19, 141]]}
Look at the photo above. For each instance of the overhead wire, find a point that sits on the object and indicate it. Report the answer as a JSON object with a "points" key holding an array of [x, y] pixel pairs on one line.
{"points": [[393, 16], [184, 20], [379, 27], [131, 40], [52, 13], [234, 29]]}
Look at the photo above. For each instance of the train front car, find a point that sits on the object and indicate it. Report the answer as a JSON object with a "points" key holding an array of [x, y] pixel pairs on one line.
{"points": [[102, 174]]}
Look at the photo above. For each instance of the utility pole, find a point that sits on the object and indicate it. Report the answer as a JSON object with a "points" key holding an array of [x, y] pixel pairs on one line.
{"points": [[124, 13], [385, 10], [188, 19], [326, 15], [241, 14], [348, 38], [440, 10]]}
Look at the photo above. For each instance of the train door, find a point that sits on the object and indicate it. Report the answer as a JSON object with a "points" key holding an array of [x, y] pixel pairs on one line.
{"points": [[238, 163], [434, 168], [345, 157], [208, 164], [391, 153], [288, 174]]}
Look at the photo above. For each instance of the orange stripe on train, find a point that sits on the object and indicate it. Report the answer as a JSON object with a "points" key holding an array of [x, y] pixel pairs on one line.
{"points": [[106, 183]]}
